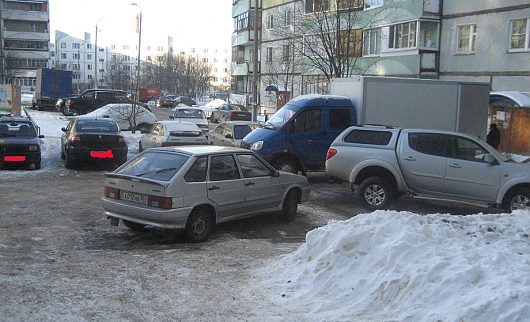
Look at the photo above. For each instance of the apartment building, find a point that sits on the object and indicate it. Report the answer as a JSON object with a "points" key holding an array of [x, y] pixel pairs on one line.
{"points": [[489, 42], [24, 41], [219, 59]]}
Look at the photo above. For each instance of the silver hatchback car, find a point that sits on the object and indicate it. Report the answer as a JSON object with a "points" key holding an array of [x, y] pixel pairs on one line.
{"points": [[195, 187]]}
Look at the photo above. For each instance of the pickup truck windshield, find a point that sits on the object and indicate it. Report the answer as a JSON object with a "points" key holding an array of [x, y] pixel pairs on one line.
{"points": [[278, 120]]}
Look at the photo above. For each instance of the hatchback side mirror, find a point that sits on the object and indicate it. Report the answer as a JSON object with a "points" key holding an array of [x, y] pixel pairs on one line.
{"points": [[489, 158]]}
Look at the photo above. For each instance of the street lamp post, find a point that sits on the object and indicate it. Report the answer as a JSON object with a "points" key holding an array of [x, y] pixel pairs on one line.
{"points": [[96, 55], [139, 26]]}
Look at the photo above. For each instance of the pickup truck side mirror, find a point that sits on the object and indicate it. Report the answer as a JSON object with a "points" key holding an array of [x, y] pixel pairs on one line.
{"points": [[489, 158]]}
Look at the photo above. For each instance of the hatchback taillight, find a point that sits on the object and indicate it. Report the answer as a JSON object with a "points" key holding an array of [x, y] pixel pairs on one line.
{"points": [[160, 202], [111, 193], [331, 153]]}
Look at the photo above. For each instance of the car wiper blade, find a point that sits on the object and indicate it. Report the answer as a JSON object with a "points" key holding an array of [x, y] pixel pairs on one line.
{"points": [[156, 171]]}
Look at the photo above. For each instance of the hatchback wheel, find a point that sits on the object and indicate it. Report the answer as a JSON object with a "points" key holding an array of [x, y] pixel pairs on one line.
{"points": [[519, 199], [376, 193], [199, 225], [290, 206]]}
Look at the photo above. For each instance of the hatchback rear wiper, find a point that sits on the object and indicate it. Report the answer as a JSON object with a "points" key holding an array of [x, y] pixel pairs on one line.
{"points": [[156, 171]]}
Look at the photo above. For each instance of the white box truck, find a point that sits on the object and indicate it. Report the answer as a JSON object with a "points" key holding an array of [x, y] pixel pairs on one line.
{"points": [[417, 103]]}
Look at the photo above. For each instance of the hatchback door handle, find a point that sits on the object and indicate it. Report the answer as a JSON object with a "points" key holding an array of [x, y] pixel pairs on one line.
{"points": [[409, 158], [214, 188], [250, 183], [455, 165]]}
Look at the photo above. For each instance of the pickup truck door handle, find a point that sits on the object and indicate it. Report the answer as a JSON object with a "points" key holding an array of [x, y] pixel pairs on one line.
{"points": [[250, 183], [409, 158], [214, 188], [455, 165]]}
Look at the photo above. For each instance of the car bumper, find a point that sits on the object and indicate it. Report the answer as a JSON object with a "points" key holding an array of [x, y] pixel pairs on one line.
{"points": [[170, 218], [84, 153], [15, 158]]}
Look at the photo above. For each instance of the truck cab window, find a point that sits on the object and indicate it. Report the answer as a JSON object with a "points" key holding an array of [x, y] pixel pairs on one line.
{"points": [[307, 121], [339, 118], [465, 149], [429, 143]]}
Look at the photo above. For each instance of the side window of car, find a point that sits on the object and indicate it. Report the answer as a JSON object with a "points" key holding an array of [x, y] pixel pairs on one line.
{"points": [[368, 137], [252, 167], [223, 167], [88, 96], [429, 143], [465, 149], [307, 121], [339, 118], [156, 128], [70, 125], [197, 172]]}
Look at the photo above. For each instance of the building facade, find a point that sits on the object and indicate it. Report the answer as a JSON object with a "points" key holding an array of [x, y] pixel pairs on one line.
{"points": [[25, 41], [489, 42]]}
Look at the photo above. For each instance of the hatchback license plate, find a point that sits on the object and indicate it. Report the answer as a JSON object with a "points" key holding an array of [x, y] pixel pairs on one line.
{"points": [[134, 197]]}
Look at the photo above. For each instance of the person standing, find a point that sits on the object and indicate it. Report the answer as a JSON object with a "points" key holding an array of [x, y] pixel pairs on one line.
{"points": [[494, 136]]}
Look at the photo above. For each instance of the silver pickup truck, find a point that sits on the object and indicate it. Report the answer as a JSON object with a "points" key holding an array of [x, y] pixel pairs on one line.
{"points": [[384, 162]]}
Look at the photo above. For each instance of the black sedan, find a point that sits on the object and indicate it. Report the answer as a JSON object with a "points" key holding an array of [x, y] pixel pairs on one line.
{"points": [[231, 112], [91, 140], [19, 143]]}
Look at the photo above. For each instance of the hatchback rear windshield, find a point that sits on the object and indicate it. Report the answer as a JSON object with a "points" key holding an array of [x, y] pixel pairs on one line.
{"points": [[189, 114], [155, 165], [17, 129], [96, 126]]}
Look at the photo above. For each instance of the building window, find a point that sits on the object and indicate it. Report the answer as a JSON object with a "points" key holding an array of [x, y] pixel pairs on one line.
{"points": [[466, 39], [269, 55], [63, 45], [62, 66], [372, 42], [125, 47], [75, 56], [89, 67], [520, 34], [402, 35], [89, 46], [270, 22], [89, 76], [89, 56], [205, 60], [287, 18], [312, 6], [63, 55], [75, 66], [113, 47], [286, 53], [351, 43], [370, 4], [75, 45], [349, 4]]}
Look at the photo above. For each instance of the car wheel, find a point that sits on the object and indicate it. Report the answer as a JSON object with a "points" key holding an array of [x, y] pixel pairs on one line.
{"points": [[286, 164], [519, 199], [376, 193], [134, 226], [199, 225], [67, 111], [140, 148], [68, 162], [290, 205]]}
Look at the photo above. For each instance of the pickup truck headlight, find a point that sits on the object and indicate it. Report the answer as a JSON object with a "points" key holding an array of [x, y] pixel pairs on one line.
{"points": [[33, 148], [256, 146]]}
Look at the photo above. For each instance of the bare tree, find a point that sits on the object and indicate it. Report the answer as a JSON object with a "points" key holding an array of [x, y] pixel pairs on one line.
{"points": [[120, 74]]}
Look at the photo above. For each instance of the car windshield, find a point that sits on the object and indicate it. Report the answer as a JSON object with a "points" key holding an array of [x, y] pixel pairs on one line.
{"points": [[15, 129], [155, 165], [278, 120], [240, 131], [96, 126], [189, 114]]}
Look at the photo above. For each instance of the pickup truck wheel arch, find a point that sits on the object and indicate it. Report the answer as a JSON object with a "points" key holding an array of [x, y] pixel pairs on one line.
{"points": [[376, 193], [517, 198]]}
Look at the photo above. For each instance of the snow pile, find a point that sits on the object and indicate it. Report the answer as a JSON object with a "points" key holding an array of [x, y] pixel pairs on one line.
{"points": [[216, 103], [517, 157], [400, 266]]}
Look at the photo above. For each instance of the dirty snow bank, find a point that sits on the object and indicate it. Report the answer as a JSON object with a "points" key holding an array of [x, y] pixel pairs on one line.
{"points": [[400, 266]]}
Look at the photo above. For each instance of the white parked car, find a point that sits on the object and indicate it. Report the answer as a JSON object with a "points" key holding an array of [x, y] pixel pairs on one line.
{"points": [[231, 133], [191, 114], [122, 113], [172, 133]]}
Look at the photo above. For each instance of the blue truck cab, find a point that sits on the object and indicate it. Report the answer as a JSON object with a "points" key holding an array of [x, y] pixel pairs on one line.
{"points": [[297, 137]]}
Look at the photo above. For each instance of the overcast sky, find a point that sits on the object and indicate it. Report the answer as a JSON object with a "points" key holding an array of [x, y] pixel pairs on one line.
{"points": [[195, 23]]}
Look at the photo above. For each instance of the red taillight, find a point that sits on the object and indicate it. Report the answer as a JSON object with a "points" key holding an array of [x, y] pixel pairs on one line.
{"points": [[75, 139], [13, 158], [160, 202], [331, 153], [111, 193]]}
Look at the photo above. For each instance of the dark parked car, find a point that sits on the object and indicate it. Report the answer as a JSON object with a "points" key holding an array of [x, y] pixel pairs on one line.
{"points": [[166, 101], [91, 139], [92, 99], [19, 142], [231, 112], [59, 105], [184, 100]]}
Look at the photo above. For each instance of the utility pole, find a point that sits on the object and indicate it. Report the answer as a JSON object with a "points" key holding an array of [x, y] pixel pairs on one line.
{"points": [[255, 64], [137, 98]]}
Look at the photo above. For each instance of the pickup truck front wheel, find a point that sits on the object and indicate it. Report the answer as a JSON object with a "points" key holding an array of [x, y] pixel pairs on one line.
{"points": [[519, 199], [376, 193]]}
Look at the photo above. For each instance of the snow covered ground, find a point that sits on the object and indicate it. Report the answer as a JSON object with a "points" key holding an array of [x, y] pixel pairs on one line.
{"points": [[385, 265]]}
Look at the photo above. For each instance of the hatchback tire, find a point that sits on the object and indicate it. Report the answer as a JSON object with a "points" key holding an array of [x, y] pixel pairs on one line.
{"points": [[376, 193], [199, 225], [290, 205], [518, 199]]}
